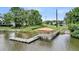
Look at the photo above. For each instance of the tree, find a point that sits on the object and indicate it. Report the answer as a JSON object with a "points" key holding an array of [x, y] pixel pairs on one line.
{"points": [[72, 16], [21, 17], [8, 18], [35, 17], [17, 13]]}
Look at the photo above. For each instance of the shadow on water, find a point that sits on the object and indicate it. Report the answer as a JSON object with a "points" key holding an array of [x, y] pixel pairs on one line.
{"points": [[74, 44]]}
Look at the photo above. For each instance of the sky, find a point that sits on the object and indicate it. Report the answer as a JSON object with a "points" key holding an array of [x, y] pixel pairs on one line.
{"points": [[48, 13]]}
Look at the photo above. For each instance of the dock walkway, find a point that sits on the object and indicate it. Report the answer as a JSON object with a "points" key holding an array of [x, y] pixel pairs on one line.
{"points": [[25, 40], [37, 37]]}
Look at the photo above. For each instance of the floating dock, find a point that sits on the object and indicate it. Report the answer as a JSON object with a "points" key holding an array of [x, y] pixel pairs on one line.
{"points": [[37, 37]]}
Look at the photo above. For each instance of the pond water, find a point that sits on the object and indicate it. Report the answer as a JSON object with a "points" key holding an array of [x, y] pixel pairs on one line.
{"points": [[63, 42]]}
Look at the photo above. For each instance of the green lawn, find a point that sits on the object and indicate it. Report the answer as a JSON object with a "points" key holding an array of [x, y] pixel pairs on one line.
{"points": [[32, 28], [56, 28]]}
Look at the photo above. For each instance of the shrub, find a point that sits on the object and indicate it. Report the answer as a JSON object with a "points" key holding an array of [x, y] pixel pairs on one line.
{"points": [[73, 27], [75, 34]]}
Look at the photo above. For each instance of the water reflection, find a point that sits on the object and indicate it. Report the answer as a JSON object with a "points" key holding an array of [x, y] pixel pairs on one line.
{"points": [[61, 43], [74, 44], [25, 34], [16, 46], [44, 43]]}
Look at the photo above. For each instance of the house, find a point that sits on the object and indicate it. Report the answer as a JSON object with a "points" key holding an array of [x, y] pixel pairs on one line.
{"points": [[3, 23], [59, 22]]}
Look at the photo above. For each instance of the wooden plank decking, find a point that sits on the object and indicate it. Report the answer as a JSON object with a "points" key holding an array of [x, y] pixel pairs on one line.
{"points": [[37, 37], [30, 40]]}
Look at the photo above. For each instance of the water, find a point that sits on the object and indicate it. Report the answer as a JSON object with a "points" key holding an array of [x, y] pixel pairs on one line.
{"points": [[62, 43]]}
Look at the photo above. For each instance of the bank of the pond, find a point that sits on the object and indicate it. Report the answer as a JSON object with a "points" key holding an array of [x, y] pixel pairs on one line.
{"points": [[32, 29], [44, 32], [75, 34], [74, 29], [22, 29]]}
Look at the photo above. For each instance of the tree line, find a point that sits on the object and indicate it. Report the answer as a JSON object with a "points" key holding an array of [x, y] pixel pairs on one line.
{"points": [[20, 17]]}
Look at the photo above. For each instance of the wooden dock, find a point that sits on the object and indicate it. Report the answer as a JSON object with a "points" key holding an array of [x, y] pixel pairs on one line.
{"points": [[49, 36], [30, 40], [37, 37]]}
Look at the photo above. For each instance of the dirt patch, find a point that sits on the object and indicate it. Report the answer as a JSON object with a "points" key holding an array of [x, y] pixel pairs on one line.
{"points": [[45, 30]]}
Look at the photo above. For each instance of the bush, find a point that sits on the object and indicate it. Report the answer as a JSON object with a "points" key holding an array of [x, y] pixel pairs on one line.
{"points": [[75, 34], [73, 27]]}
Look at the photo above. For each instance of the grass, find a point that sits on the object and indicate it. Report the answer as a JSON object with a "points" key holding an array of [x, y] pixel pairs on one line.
{"points": [[32, 28], [56, 28]]}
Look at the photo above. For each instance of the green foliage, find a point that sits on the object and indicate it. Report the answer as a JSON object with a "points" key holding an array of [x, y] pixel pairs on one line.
{"points": [[72, 16], [72, 20], [75, 34], [8, 18], [73, 27], [21, 17]]}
